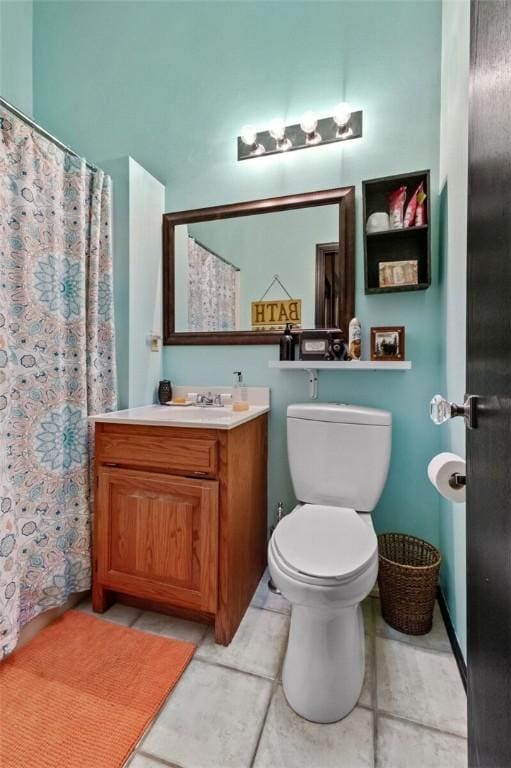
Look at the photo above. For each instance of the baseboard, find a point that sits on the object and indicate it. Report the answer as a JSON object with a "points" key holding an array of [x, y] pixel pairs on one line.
{"points": [[30, 630], [458, 655]]}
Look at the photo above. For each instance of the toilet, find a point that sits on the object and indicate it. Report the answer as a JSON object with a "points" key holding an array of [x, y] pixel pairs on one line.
{"points": [[323, 556]]}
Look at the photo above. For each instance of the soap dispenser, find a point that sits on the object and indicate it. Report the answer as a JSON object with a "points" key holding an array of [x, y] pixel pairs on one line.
{"points": [[236, 394], [239, 394]]}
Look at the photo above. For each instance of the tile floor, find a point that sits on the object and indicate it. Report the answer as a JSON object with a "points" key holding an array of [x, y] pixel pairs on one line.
{"points": [[229, 711]]}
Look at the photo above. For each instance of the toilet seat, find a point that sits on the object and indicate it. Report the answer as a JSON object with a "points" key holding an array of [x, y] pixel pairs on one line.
{"points": [[324, 545]]}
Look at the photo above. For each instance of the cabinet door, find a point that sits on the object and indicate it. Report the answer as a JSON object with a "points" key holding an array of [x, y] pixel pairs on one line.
{"points": [[156, 536]]}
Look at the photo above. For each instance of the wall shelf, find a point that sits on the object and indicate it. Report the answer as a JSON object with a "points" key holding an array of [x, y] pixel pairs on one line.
{"points": [[412, 243], [342, 365], [313, 366]]}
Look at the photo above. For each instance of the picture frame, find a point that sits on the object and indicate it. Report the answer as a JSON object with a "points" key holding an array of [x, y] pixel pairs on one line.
{"points": [[388, 343], [397, 274]]}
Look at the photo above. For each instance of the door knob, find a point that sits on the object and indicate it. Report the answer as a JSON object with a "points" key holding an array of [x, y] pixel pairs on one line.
{"points": [[441, 410]]}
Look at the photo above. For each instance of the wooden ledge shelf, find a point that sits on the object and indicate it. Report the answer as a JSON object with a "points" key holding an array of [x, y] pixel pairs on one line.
{"points": [[342, 365], [313, 366]]}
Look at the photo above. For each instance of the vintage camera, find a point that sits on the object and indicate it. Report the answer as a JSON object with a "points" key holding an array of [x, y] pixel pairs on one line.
{"points": [[322, 344]]}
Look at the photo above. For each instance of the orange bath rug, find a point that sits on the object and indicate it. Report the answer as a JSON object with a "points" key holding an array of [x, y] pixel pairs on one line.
{"points": [[82, 692]]}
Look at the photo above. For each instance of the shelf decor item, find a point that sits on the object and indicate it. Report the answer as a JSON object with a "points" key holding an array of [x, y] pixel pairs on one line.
{"points": [[379, 221], [408, 238], [396, 205], [411, 208], [397, 273], [287, 344], [388, 343], [355, 340], [420, 213], [164, 391], [322, 344]]}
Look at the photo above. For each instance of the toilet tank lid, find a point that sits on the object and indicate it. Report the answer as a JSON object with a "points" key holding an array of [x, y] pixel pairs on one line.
{"points": [[340, 413]]}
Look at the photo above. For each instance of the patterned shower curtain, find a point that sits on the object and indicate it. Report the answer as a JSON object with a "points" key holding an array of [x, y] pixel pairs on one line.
{"points": [[213, 291], [56, 367]]}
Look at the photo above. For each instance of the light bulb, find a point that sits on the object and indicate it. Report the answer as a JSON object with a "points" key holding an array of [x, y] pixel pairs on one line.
{"points": [[309, 122], [342, 114], [277, 129], [248, 135]]}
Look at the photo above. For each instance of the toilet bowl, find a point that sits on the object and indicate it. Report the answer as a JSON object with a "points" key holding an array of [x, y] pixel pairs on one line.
{"points": [[323, 556]]}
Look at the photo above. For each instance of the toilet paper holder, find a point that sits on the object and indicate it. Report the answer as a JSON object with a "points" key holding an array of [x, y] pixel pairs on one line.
{"points": [[457, 480], [447, 473]]}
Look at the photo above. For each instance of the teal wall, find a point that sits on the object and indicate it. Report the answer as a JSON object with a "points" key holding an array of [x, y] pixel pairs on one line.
{"points": [[453, 254], [16, 53], [171, 83]]}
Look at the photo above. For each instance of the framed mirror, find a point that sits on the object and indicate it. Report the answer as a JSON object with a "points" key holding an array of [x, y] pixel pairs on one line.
{"points": [[235, 274]]}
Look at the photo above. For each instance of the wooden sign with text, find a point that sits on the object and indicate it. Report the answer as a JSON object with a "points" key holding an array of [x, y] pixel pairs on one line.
{"points": [[271, 315]]}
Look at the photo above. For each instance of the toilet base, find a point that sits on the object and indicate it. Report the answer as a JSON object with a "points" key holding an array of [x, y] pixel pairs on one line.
{"points": [[324, 665]]}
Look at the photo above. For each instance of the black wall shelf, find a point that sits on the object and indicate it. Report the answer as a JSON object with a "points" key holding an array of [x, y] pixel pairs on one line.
{"points": [[396, 244]]}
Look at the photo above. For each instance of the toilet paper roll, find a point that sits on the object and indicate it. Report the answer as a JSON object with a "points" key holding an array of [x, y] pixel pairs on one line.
{"points": [[440, 469]]}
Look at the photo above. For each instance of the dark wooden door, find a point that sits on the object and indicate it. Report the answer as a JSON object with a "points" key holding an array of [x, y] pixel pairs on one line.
{"points": [[489, 377]]}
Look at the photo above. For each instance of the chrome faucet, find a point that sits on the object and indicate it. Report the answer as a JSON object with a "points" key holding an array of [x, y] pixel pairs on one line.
{"points": [[206, 401]]}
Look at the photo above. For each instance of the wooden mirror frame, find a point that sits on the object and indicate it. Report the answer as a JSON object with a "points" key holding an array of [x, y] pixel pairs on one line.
{"points": [[344, 197]]}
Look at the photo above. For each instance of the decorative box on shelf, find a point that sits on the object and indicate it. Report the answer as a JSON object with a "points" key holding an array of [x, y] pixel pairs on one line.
{"points": [[409, 246]]}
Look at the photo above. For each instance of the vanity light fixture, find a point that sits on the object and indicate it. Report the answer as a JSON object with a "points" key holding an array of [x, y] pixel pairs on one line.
{"points": [[312, 131]]}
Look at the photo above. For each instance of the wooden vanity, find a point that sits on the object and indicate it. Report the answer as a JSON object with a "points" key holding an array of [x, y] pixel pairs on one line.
{"points": [[180, 515]]}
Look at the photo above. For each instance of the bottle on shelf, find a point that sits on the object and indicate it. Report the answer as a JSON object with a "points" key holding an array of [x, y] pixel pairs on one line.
{"points": [[355, 339], [287, 344]]}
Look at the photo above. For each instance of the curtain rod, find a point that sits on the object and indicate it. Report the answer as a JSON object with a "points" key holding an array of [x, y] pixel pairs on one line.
{"points": [[43, 132], [221, 258]]}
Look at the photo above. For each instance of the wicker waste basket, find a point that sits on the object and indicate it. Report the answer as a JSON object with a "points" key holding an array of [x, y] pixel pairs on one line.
{"points": [[407, 579]]}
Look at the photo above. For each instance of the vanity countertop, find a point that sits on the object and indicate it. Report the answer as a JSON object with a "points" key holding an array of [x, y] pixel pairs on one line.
{"points": [[183, 416]]}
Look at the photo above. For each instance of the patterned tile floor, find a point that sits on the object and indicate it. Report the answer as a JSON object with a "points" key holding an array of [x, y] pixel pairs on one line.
{"points": [[229, 711]]}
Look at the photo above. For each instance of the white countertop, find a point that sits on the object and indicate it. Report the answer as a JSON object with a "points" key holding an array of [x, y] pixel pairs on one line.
{"points": [[183, 416]]}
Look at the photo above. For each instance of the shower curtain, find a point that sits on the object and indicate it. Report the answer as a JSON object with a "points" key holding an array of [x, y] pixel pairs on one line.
{"points": [[56, 367], [213, 291]]}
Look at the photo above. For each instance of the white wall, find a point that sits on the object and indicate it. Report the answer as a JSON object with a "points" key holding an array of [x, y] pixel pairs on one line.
{"points": [[138, 205], [453, 247], [146, 207]]}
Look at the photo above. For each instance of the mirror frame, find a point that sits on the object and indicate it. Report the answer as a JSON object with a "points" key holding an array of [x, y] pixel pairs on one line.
{"points": [[344, 197]]}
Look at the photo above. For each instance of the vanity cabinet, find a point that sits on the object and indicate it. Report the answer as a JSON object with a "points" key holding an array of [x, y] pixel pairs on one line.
{"points": [[180, 519]]}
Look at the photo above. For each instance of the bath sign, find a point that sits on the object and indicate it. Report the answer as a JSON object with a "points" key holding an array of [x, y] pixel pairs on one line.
{"points": [[272, 315]]}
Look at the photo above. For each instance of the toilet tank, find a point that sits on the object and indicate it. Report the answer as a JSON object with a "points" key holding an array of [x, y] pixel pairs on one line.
{"points": [[338, 454]]}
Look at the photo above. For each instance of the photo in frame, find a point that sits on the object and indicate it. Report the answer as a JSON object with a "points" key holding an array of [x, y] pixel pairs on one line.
{"points": [[388, 343]]}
